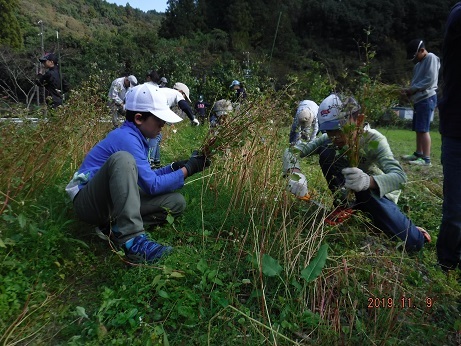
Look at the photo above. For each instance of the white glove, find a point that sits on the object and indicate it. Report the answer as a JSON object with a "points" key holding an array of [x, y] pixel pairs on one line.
{"points": [[297, 185], [356, 179], [195, 122]]}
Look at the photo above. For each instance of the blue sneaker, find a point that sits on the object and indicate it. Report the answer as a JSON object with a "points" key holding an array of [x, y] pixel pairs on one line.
{"points": [[145, 250]]}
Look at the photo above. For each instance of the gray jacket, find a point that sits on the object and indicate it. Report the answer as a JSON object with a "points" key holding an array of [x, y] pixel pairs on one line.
{"points": [[425, 78]]}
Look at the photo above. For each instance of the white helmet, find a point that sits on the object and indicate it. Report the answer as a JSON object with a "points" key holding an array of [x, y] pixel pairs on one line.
{"points": [[334, 113]]}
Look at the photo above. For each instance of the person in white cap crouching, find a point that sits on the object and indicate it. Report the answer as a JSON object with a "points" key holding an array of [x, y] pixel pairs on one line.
{"points": [[115, 187], [375, 182], [305, 125]]}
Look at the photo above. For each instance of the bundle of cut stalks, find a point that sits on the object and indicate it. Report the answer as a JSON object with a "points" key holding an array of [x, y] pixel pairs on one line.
{"points": [[233, 130]]}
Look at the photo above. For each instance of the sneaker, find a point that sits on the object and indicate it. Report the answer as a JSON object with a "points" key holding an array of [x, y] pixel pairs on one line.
{"points": [[155, 165], [410, 157], [426, 235], [145, 250], [106, 233], [102, 232], [420, 162]]}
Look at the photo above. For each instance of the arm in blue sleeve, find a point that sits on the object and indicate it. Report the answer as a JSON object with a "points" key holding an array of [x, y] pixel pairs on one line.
{"points": [[294, 135]]}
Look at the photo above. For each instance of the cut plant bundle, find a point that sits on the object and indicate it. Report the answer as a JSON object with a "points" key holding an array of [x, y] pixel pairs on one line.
{"points": [[354, 133], [236, 127]]}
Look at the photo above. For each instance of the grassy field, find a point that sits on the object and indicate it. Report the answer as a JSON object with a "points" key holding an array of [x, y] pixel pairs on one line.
{"points": [[252, 265]]}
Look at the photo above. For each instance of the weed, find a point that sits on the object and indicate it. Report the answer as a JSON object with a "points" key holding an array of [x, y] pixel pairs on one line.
{"points": [[250, 266]]}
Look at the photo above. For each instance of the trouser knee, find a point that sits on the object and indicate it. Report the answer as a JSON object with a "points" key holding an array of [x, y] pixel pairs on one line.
{"points": [[176, 204]]}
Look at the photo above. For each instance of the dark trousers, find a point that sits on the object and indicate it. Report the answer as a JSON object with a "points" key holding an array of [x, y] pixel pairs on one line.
{"points": [[384, 213], [449, 240]]}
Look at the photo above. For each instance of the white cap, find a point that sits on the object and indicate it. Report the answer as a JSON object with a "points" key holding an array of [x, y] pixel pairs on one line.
{"points": [[133, 80], [147, 98], [305, 117], [333, 113], [307, 112], [222, 107], [182, 87]]}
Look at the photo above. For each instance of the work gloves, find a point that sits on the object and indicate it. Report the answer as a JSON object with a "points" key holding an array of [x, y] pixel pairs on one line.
{"points": [[178, 165], [297, 184], [196, 163], [356, 179], [195, 122]]}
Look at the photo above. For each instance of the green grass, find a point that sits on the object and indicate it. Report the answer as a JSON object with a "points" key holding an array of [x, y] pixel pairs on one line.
{"points": [[238, 275]]}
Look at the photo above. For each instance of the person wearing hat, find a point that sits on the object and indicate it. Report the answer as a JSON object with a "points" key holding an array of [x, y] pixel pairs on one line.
{"points": [[375, 182], [115, 187], [240, 93], [52, 80], [221, 109], [200, 108], [449, 239], [163, 82], [422, 92], [175, 97], [305, 125], [116, 95]]}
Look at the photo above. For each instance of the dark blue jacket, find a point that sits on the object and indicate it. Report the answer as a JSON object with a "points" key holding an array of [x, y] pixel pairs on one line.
{"points": [[449, 108], [51, 80]]}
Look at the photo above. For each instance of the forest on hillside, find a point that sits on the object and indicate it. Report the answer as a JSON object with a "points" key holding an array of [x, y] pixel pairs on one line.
{"points": [[199, 40]]}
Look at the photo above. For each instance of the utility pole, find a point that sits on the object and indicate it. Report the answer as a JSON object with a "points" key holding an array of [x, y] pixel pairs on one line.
{"points": [[247, 65], [59, 67], [39, 66], [275, 37]]}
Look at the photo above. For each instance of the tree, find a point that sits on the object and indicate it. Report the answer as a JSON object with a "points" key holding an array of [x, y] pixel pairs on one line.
{"points": [[10, 31], [239, 19], [16, 82], [180, 19]]}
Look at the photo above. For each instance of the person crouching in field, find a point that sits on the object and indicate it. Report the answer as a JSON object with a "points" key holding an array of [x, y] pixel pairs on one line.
{"points": [[375, 182], [115, 187], [306, 120]]}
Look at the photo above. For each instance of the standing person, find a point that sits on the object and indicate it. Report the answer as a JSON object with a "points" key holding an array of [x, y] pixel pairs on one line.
{"points": [[375, 182], [240, 92], [449, 240], [52, 80], [175, 97], [305, 125], [115, 184], [200, 108], [422, 92], [117, 92]]}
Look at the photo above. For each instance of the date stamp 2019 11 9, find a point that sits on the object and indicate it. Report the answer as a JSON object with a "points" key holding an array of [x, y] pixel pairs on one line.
{"points": [[403, 303]]}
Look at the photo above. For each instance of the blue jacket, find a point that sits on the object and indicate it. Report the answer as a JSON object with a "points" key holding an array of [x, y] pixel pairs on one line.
{"points": [[127, 138]]}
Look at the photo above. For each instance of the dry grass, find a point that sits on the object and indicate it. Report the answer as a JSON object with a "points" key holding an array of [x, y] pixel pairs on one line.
{"points": [[33, 155]]}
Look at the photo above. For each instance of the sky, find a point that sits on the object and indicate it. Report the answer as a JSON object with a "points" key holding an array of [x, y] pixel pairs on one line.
{"points": [[144, 5]]}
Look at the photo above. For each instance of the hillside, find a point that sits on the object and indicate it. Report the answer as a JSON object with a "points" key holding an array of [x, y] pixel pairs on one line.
{"points": [[207, 44], [83, 18]]}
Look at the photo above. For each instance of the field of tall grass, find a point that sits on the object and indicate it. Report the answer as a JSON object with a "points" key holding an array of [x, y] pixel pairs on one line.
{"points": [[251, 263]]}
